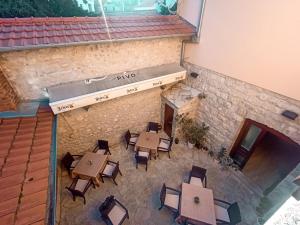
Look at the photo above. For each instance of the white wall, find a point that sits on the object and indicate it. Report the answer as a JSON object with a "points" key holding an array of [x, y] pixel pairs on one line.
{"points": [[255, 41], [190, 10]]}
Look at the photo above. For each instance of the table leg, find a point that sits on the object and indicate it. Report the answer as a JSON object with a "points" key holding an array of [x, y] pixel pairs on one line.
{"points": [[155, 153], [96, 181], [179, 220]]}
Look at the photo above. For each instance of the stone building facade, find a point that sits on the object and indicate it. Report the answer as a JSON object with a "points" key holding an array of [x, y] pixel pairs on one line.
{"points": [[79, 129], [30, 71], [229, 102]]}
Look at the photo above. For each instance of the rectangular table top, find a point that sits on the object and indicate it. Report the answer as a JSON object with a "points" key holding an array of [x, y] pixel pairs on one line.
{"points": [[91, 164], [148, 140], [204, 211]]}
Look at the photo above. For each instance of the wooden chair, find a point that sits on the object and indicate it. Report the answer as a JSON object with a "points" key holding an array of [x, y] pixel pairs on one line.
{"points": [[70, 161], [152, 127], [79, 187], [113, 212], [142, 157], [102, 147], [165, 145], [227, 213], [130, 138], [111, 170], [170, 198], [198, 176]]}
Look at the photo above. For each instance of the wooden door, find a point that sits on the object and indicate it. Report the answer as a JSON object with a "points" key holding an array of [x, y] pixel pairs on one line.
{"points": [[168, 122], [250, 136]]}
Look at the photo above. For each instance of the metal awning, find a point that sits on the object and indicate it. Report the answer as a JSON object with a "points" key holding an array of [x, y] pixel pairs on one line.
{"points": [[77, 94]]}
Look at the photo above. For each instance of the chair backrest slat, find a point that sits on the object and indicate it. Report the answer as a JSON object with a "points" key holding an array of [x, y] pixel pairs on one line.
{"points": [[103, 144], [127, 136], [234, 213], [163, 194], [67, 160], [116, 170]]}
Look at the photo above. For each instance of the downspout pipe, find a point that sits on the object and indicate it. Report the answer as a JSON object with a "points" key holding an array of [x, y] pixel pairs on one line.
{"points": [[195, 39], [53, 158]]}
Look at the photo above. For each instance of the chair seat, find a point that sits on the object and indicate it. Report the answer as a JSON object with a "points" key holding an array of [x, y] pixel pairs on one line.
{"points": [[74, 163], [109, 169], [116, 214], [196, 181], [81, 185], [101, 151], [133, 139], [172, 201], [143, 154], [164, 144], [222, 214]]}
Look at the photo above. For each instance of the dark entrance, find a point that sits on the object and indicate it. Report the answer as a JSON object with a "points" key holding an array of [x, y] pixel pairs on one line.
{"points": [[265, 155], [168, 122]]}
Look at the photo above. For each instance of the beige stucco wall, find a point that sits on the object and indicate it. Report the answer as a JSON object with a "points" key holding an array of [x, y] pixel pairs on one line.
{"points": [[255, 41], [190, 10], [31, 71]]}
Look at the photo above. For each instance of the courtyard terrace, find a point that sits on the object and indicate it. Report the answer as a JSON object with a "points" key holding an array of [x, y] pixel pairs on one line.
{"points": [[139, 190]]}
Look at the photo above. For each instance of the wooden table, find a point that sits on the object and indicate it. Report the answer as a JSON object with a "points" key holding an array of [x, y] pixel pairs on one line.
{"points": [[201, 213], [149, 141], [90, 165]]}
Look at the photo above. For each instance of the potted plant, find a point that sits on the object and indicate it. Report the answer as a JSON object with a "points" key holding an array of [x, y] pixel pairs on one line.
{"points": [[192, 132]]}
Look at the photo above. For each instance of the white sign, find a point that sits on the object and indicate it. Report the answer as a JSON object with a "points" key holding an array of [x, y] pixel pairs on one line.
{"points": [[104, 95]]}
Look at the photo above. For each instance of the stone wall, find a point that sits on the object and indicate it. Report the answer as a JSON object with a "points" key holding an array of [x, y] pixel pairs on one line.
{"points": [[230, 101], [8, 97], [30, 71], [183, 99], [79, 129]]}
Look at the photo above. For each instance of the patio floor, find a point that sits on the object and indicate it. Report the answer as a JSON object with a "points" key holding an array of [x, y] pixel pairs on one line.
{"points": [[139, 190]]}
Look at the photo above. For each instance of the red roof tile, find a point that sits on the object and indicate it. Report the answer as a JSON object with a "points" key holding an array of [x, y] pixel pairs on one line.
{"points": [[24, 169], [7, 219], [24, 33]]}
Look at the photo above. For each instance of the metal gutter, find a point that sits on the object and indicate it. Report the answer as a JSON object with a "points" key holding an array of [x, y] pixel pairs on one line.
{"points": [[53, 163], [20, 48], [195, 39]]}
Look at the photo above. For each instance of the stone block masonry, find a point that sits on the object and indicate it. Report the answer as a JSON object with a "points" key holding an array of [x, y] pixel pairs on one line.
{"points": [[8, 97], [30, 71], [230, 101], [79, 129]]}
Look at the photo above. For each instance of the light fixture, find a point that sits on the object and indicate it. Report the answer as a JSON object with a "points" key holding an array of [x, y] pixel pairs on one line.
{"points": [[289, 114], [89, 81], [194, 75]]}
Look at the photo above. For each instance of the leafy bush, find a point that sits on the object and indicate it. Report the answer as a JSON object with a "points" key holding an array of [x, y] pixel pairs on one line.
{"points": [[192, 131], [163, 7], [225, 160], [41, 8]]}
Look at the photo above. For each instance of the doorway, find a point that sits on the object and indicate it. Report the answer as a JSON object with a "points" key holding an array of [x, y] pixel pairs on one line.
{"points": [[264, 155], [168, 120]]}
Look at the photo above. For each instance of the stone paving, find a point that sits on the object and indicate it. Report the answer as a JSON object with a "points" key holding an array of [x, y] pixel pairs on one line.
{"points": [[139, 190]]}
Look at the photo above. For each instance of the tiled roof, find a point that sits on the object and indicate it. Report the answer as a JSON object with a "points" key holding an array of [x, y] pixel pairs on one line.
{"points": [[24, 33], [25, 145]]}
